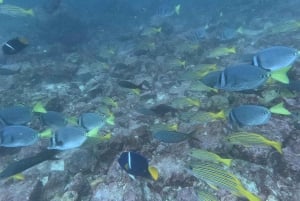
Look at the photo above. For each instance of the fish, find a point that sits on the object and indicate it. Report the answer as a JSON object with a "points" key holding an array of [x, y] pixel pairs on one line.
{"points": [[163, 109], [206, 196], [15, 45], [245, 77], [226, 34], [15, 11], [206, 117], [90, 121], [18, 136], [137, 165], [253, 115], [109, 101], [183, 102], [283, 27], [275, 58], [16, 115], [196, 35], [218, 177], [168, 136], [130, 85], [54, 119], [8, 71], [199, 86], [162, 126], [249, 139], [167, 10], [211, 79], [199, 72], [221, 51], [204, 155], [26, 163]]}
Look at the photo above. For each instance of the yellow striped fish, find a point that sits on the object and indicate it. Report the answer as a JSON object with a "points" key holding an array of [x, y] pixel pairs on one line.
{"points": [[216, 176], [249, 139], [209, 156], [205, 196], [15, 11]]}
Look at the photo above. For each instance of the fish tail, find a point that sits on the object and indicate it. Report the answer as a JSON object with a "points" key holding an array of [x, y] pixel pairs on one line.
{"points": [[281, 75], [111, 119], [153, 172], [177, 9], [39, 108], [93, 132], [46, 133], [247, 194], [240, 30], [276, 145], [107, 136], [29, 12], [280, 109], [226, 161], [232, 50]]}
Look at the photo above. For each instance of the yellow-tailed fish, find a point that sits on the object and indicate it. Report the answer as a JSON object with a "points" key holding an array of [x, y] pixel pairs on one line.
{"points": [[199, 87], [281, 75], [206, 196], [183, 102], [206, 117], [250, 139], [177, 9], [109, 101], [280, 109], [218, 177], [221, 51], [209, 156], [283, 27], [15, 11], [39, 108], [169, 127]]}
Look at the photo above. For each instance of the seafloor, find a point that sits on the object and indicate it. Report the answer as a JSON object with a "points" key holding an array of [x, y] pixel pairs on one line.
{"points": [[72, 71]]}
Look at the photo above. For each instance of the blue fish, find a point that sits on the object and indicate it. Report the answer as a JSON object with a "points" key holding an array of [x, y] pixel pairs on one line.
{"points": [[275, 58], [242, 77], [67, 138], [16, 115], [17, 136], [137, 165], [254, 115]]}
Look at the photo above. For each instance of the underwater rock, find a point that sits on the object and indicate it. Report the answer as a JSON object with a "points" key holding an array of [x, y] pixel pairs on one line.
{"points": [[27, 190], [55, 185], [80, 185], [187, 194], [79, 160]]}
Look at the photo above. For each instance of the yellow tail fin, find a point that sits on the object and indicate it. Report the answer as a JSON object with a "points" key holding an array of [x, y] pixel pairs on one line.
{"points": [[280, 109]]}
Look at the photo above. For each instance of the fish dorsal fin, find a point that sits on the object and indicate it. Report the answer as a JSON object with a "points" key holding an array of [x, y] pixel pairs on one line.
{"points": [[39, 108]]}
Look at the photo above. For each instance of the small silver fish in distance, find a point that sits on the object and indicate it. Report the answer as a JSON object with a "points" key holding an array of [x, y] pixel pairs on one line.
{"points": [[67, 138], [275, 58], [17, 136], [242, 77]]}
